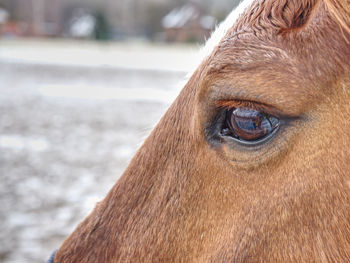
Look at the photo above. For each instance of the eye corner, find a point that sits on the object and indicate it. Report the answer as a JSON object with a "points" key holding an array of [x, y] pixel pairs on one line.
{"points": [[213, 130]]}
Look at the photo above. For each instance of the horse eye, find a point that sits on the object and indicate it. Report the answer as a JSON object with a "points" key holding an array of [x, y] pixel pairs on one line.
{"points": [[248, 125]]}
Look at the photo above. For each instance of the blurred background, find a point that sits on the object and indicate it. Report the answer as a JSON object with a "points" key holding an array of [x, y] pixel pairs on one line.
{"points": [[82, 83]]}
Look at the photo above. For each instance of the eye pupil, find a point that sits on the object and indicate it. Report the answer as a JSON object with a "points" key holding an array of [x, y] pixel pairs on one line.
{"points": [[250, 125]]}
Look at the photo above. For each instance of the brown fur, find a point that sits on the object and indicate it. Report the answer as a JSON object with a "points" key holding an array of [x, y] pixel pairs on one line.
{"points": [[341, 11], [182, 199]]}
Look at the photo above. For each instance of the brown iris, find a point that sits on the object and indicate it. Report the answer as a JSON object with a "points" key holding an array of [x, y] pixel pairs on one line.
{"points": [[249, 124]]}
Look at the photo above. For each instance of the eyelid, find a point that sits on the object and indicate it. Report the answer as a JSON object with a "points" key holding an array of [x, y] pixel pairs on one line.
{"points": [[285, 101], [254, 143], [230, 104]]}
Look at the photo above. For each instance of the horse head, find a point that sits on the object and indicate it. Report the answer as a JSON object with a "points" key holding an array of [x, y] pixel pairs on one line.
{"points": [[251, 162]]}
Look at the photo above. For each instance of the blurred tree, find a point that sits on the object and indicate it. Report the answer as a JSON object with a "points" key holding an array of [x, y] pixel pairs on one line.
{"points": [[129, 18], [156, 10], [38, 9], [9, 5], [102, 28], [154, 14]]}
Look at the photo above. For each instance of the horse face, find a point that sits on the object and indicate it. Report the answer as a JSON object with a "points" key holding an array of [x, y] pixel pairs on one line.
{"points": [[250, 163]]}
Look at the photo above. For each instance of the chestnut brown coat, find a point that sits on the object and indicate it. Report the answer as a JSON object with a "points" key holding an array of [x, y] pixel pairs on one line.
{"points": [[190, 195]]}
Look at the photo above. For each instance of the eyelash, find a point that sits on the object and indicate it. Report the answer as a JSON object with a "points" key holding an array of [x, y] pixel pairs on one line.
{"points": [[233, 104]]}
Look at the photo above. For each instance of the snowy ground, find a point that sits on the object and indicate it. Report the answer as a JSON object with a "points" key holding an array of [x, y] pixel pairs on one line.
{"points": [[71, 117]]}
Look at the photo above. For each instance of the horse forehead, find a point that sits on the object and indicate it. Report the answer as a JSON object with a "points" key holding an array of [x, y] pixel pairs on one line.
{"points": [[260, 32], [235, 33], [261, 20], [246, 37], [227, 25]]}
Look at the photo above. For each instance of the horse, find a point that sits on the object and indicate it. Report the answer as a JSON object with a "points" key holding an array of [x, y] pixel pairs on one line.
{"points": [[251, 162]]}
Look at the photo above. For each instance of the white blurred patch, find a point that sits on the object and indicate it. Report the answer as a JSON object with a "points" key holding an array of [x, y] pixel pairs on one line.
{"points": [[120, 56], [83, 26], [90, 202], [124, 152], [17, 142], [4, 16], [100, 93]]}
